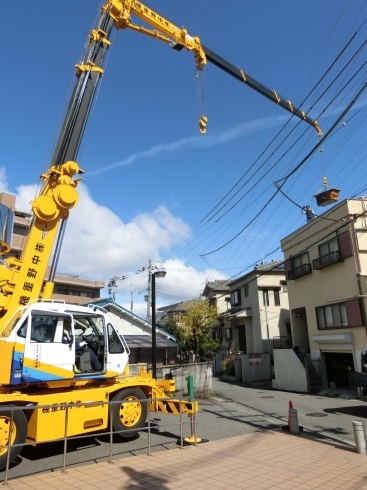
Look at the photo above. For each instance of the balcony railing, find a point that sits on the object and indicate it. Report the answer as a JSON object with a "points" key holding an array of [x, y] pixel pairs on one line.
{"points": [[299, 271], [326, 260], [283, 342]]}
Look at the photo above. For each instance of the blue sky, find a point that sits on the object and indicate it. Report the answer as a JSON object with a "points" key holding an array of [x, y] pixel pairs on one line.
{"points": [[151, 177]]}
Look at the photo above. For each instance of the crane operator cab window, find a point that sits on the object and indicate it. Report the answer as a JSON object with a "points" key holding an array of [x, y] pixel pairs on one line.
{"points": [[90, 343], [43, 328]]}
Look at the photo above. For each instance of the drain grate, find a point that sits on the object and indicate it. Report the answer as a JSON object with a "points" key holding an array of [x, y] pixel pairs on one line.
{"points": [[316, 414], [267, 397]]}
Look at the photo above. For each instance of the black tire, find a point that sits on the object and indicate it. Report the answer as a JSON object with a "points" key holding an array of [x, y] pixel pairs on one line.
{"points": [[20, 427], [128, 418]]}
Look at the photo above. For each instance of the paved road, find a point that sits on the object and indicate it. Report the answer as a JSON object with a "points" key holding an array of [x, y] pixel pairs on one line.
{"points": [[233, 410], [331, 415]]}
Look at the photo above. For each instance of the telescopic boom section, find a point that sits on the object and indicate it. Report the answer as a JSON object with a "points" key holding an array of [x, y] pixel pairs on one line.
{"points": [[21, 280], [254, 84], [178, 37]]}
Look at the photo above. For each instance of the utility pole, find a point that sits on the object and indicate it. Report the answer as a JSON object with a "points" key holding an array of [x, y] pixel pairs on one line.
{"points": [[149, 295], [266, 299], [112, 288], [132, 298]]}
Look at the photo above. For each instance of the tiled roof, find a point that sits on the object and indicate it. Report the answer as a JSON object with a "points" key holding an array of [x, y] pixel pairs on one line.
{"points": [[219, 284], [276, 265]]}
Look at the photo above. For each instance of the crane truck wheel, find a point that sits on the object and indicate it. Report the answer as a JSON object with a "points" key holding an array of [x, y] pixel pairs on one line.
{"points": [[129, 416], [18, 434]]}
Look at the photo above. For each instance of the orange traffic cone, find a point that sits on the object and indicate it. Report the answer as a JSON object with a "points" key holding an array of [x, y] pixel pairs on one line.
{"points": [[287, 427], [290, 406]]}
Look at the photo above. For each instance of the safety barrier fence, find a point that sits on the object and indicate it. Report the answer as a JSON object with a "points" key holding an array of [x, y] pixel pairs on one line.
{"points": [[110, 432]]}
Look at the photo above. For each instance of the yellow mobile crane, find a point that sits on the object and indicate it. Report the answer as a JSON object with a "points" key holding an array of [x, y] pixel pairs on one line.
{"points": [[52, 353]]}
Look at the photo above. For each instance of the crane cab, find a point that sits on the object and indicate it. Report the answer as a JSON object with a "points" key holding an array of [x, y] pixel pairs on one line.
{"points": [[59, 342]]}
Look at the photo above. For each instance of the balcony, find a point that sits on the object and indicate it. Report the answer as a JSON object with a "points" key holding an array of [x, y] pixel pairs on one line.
{"points": [[326, 260], [299, 271]]}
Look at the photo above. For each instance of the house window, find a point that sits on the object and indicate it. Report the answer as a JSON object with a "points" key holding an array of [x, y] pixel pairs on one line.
{"points": [[266, 297], [332, 316], [339, 315], [277, 297], [245, 288], [298, 266], [236, 297], [329, 254], [228, 333], [284, 285], [217, 334]]}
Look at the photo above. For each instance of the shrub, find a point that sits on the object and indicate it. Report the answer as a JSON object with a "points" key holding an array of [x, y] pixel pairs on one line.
{"points": [[228, 366]]}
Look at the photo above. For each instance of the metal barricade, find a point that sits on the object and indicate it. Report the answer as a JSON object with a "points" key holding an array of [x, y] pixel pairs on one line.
{"points": [[110, 432]]}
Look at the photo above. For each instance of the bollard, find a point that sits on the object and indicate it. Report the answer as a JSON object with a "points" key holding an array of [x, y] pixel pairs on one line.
{"points": [[359, 437], [190, 387], [293, 421]]}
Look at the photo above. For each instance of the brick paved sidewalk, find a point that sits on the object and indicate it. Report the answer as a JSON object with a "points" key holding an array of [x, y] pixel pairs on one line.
{"points": [[261, 460]]}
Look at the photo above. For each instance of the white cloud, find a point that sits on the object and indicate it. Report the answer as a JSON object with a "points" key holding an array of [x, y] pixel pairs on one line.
{"points": [[3, 180], [26, 194], [194, 142], [99, 245]]}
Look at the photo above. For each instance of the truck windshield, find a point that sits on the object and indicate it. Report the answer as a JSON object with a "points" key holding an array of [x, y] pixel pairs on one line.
{"points": [[88, 324]]}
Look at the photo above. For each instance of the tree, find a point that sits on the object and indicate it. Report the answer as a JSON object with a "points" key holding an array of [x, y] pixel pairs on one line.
{"points": [[199, 317], [171, 327]]}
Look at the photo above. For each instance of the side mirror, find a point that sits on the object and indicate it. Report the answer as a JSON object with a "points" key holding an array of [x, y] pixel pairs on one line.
{"points": [[68, 341]]}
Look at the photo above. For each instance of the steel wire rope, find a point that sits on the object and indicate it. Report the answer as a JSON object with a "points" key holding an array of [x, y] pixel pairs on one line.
{"points": [[253, 185], [333, 63], [340, 54], [306, 130], [232, 219], [308, 95], [301, 207], [266, 254], [336, 150], [329, 131], [249, 230], [283, 180], [349, 161]]}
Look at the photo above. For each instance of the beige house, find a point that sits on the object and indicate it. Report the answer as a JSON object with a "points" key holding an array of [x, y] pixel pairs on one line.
{"points": [[326, 267], [68, 287], [257, 317]]}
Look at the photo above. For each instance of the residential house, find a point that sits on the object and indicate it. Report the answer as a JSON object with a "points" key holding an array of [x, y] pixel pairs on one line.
{"points": [[326, 267], [174, 311], [258, 314]]}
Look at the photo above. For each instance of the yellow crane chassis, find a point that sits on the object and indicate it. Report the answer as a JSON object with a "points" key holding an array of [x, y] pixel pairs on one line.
{"points": [[86, 409]]}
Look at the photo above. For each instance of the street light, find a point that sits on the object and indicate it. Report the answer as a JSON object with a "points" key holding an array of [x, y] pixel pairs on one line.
{"points": [[161, 272]]}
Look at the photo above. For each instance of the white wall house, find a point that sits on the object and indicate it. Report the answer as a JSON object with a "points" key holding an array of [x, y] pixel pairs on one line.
{"points": [[249, 327]]}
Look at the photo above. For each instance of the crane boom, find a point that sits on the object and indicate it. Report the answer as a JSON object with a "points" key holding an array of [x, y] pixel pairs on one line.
{"points": [[259, 87], [178, 38]]}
